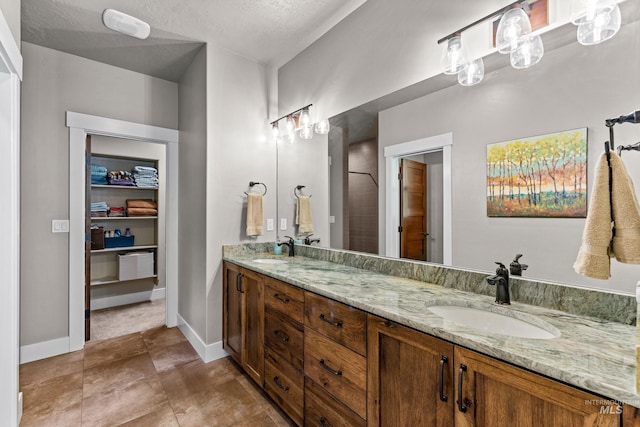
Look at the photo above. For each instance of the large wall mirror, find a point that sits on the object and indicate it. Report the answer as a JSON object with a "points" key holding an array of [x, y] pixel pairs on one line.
{"points": [[573, 87]]}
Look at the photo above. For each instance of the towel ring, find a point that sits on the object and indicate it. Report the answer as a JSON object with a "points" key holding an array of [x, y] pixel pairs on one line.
{"points": [[297, 191], [252, 183]]}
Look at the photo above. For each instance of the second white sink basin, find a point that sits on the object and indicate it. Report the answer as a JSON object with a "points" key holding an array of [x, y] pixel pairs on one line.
{"points": [[495, 323], [269, 261]]}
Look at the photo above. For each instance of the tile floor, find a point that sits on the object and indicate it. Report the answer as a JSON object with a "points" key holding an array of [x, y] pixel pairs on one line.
{"points": [[126, 319], [152, 378]]}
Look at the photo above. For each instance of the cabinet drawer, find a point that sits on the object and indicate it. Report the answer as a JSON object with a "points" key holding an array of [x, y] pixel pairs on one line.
{"points": [[285, 298], [284, 337], [340, 371], [345, 325], [285, 385], [322, 409]]}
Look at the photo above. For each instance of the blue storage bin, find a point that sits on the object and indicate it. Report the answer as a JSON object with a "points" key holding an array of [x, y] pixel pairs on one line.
{"points": [[118, 242]]}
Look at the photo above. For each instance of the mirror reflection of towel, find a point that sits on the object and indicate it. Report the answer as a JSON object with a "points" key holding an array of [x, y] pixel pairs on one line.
{"points": [[303, 215], [254, 215]]}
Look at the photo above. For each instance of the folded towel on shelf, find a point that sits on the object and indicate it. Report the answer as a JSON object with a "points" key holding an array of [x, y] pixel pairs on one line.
{"points": [[598, 242], [303, 215], [144, 170], [254, 214], [98, 170], [141, 203], [99, 180], [626, 214], [141, 212]]}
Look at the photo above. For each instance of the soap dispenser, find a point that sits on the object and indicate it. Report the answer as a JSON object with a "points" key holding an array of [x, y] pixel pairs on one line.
{"points": [[517, 268]]}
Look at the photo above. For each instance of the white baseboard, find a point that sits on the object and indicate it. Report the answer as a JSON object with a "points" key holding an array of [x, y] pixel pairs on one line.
{"points": [[207, 352], [124, 299], [42, 350]]}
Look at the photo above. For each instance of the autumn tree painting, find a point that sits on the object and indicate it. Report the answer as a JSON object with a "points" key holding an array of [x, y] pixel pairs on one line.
{"points": [[542, 176]]}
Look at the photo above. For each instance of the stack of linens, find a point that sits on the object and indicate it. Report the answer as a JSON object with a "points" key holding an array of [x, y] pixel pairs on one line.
{"points": [[145, 176], [99, 209], [98, 175], [120, 178], [141, 207]]}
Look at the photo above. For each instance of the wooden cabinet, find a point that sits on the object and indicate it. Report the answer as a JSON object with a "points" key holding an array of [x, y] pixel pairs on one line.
{"points": [[410, 376], [322, 409], [243, 319], [494, 394]]}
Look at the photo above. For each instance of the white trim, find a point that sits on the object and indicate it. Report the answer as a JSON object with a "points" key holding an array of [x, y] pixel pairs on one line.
{"points": [[43, 350], [81, 125], [207, 352], [9, 50], [10, 76], [392, 155], [125, 299]]}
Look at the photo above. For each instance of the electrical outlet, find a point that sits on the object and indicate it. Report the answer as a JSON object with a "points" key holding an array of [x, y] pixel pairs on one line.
{"points": [[332, 219], [283, 224], [269, 224]]}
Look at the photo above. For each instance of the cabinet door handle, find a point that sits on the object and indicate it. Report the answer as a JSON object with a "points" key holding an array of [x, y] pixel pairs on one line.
{"points": [[324, 365], [443, 361], [281, 335], [336, 323], [277, 381], [240, 276], [278, 297], [323, 422], [461, 406]]}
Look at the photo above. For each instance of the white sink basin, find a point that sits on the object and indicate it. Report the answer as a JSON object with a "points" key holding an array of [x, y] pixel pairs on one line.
{"points": [[269, 261], [495, 323]]}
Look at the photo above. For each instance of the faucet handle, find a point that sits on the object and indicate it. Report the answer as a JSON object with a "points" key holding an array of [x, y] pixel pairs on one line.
{"points": [[518, 256]]}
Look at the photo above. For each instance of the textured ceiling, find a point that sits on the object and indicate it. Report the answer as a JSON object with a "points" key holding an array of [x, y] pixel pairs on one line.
{"points": [[265, 31]]}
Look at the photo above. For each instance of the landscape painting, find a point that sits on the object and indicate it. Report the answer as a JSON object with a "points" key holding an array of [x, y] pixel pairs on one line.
{"points": [[541, 176]]}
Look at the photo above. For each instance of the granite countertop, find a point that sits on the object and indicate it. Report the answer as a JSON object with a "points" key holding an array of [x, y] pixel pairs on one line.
{"points": [[595, 355]]}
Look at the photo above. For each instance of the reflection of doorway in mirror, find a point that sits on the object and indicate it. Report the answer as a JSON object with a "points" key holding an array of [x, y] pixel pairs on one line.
{"points": [[421, 221]]}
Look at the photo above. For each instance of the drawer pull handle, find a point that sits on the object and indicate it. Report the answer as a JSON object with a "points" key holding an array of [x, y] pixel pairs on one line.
{"points": [[461, 406], [277, 381], [443, 361], [278, 297], [324, 422], [336, 323], [281, 335], [324, 365]]}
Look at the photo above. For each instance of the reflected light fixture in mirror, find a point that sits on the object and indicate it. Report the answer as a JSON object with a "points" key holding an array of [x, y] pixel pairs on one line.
{"points": [[597, 20], [322, 127], [453, 56], [299, 120], [513, 25], [472, 73], [528, 53]]}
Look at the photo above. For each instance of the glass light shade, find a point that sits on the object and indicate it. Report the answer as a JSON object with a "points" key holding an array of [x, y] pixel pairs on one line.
{"points": [[306, 132], [472, 73], [275, 130], [322, 127], [529, 52], [290, 125], [585, 11], [604, 26], [453, 56], [513, 25], [305, 118]]}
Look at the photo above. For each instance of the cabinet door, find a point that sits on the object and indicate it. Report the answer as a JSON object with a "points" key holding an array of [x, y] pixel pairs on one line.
{"points": [[253, 288], [409, 377], [494, 394], [233, 309]]}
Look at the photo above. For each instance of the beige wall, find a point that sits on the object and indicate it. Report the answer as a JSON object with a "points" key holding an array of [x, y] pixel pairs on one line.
{"points": [[192, 154], [11, 11], [55, 82]]}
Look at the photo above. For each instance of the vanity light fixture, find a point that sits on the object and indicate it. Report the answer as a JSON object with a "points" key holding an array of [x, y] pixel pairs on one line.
{"points": [[125, 24], [513, 36], [300, 120], [597, 20]]}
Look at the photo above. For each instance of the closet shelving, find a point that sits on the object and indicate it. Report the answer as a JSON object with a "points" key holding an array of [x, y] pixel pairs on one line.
{"points": [[104, 262]]}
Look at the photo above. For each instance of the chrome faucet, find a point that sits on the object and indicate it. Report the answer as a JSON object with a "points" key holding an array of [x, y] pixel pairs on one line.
{"points": [[501, 282], [309, 241], [289, 244]]}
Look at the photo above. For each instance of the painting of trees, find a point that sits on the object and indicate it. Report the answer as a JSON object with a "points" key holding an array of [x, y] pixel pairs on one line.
{"points": [[542, 176]]}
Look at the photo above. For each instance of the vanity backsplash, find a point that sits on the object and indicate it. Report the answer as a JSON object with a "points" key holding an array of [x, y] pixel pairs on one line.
{"points": [[578, 301]]}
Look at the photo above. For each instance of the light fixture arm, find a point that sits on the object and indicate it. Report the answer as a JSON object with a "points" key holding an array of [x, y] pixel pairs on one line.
{"points": [[499, 12], [291, 114]]}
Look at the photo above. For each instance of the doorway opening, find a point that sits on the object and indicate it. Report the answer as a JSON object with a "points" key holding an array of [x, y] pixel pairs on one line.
{"points": [[435, 150]]}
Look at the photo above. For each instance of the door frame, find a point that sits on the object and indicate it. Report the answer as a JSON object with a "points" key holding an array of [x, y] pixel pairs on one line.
{"points": [[80, 125], [393, 154], [10, 78]]}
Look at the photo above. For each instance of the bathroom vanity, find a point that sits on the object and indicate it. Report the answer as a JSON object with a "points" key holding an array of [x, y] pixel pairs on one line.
{"points": [[341, 343]]}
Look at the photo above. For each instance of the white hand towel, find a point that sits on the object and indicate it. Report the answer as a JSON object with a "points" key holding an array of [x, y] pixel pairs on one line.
{"points": [[593, 257], [303, 215], [254, 215]]}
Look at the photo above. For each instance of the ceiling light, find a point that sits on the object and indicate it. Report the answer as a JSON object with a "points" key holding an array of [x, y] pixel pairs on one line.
{"points": [[472, 73], [597, 21], [453, 56], [306, 132], [529, 52], [513, 25], [125, 24], [322, 127]]}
